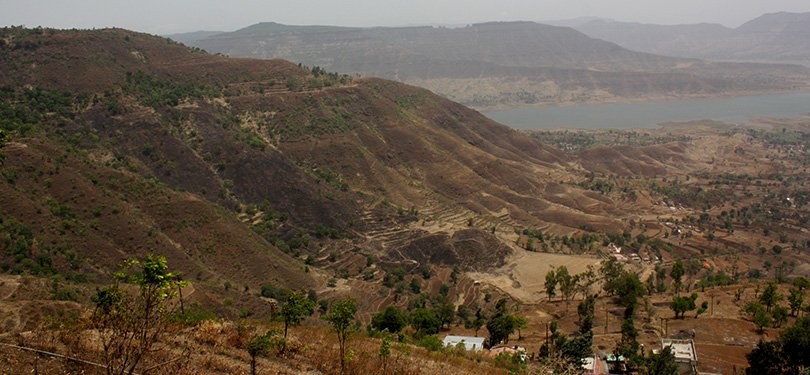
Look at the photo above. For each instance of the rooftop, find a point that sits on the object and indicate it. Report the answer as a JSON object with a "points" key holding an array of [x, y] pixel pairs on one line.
{"points": [[470, 343], [684, 350]]}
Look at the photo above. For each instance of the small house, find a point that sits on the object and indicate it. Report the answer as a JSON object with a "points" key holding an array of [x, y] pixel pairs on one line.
{"points": [[470, 343], [685, 354]]}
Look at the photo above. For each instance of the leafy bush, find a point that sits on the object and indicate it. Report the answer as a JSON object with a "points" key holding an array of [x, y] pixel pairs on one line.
{"points": [[277, 293], [431, 342], [155, 92], [193, 316]]}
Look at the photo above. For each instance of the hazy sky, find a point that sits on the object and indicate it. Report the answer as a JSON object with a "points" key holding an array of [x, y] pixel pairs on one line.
{"points": [[170, 16]]}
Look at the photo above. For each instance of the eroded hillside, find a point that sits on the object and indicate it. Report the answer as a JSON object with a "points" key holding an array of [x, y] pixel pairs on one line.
{"points": [[245, 172], [256, 177]]}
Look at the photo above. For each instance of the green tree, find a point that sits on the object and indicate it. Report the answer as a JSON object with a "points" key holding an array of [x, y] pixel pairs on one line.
{"points": [[476, 323], [660, 279], [576, 348], [788, 355], [630, 289], [416, 286], [801, 283], [2, 145], [129, 326], [611, 271], [520, 323], [762, 320], [585, 311], [662, 363], [628, 344], [770, 296], [385, 351], [702, 309], [551, 284], [779, 315], [796, 300], [585, 280], [680, 305], [677, 273], [260, 345], [568, 283], [650, 282], [444, 291], [341, 317], [446, 313], [796, 344], [391, 319], [425, 321], [766, 359], [501, 324], [463, 314], [294, 310]]}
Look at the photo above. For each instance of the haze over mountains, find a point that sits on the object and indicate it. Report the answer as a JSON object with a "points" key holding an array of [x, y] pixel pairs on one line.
{"points": [[254, 176], [500, 64], [776, 37]]}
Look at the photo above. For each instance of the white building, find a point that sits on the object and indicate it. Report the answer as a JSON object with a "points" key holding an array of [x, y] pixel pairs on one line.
{"points": [[470, 343], [685, 354]]}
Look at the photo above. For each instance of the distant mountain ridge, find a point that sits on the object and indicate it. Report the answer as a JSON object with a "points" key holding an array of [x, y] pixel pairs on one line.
{"points": [[496, 64], [484, 43], [775, 37]]}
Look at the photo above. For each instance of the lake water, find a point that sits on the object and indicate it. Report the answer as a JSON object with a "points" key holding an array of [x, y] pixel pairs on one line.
{"points": [[648, 115]]}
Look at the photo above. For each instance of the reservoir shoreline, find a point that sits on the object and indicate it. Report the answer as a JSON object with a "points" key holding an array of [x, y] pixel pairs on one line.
{"points": [[650, 114]]}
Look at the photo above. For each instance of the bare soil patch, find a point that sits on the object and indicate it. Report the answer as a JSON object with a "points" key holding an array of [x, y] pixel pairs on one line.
{"points": [[524, 274]]}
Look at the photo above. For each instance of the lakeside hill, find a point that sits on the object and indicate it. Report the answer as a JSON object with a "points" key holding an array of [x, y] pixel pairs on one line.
{"points": [[500, 64], [253, 177], [253, 172], [773, 38], [124, 143]]}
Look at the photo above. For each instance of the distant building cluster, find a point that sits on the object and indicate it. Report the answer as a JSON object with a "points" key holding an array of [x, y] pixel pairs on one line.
{"points": [[616, 252], [605, 364]]}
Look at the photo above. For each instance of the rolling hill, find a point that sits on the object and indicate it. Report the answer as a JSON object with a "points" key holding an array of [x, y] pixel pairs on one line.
{"points": [[257, 176], [247, 173], [499, 64]]}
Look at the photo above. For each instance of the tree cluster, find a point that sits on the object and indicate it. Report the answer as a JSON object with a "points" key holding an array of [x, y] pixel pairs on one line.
{"points": [[787, 355], [568, 285]]}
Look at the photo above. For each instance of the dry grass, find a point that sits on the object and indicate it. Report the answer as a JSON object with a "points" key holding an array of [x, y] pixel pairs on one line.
{"points": [[523, 277], [218, 347]]}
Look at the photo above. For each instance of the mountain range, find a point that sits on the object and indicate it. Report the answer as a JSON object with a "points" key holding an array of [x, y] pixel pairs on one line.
{"points": [[772, 38], [500, 64]]}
